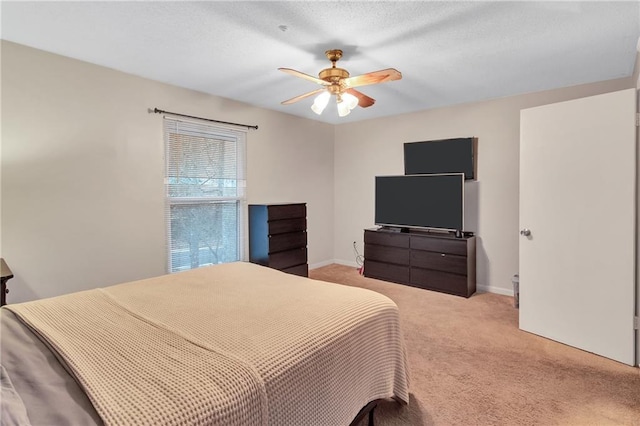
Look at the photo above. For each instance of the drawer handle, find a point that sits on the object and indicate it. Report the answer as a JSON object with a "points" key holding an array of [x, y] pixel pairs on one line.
{"points": [[442, 254]]}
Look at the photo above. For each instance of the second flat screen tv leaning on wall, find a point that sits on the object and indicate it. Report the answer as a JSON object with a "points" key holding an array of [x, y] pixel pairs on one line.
{"points": [[433, 201], [457, 155]]}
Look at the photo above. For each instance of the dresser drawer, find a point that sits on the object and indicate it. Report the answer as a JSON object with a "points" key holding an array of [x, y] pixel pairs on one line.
{"points": [[387, 254], [286, 211], [386, 271], [301, 270], [287, 259], [440, 281], [287, 225], [393, 239], [288, 241], [440, 245], [439, 261]]}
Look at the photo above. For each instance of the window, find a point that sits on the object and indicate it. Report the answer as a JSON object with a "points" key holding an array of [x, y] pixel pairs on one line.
{"points": [[205, 190]]}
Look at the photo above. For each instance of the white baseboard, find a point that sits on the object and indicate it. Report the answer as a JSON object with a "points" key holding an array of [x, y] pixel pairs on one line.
{"points": [[346, 263], [321, 264], [331, 262], [496, 290]]}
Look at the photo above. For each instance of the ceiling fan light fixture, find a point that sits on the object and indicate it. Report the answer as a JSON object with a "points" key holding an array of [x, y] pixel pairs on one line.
{"points": [[343, 109], [320, 103], [350, 100]]}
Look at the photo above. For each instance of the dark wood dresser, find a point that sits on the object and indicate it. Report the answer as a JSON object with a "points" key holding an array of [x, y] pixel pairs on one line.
{"points": [[278, 237], [429, 260]]}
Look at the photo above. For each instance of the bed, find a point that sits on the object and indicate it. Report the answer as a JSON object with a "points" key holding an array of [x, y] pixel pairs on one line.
{"points": [[230, 344]]}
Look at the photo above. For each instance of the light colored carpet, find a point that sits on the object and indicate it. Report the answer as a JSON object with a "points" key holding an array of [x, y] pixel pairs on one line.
{"points": [[471, 365]]}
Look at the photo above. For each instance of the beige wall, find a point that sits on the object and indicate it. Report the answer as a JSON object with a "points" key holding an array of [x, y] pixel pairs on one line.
{"points": [[636, 70], [82, 171], [366, 149]]}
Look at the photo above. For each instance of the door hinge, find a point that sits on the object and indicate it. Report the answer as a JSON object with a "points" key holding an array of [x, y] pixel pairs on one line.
{"points": [[636, 323], [637, 119]]}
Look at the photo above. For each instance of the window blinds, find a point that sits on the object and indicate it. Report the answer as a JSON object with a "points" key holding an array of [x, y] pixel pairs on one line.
{"points": [[205, 191]]}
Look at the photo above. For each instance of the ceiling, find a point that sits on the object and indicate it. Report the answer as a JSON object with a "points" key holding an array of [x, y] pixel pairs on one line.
{"points": [[448, 52]]}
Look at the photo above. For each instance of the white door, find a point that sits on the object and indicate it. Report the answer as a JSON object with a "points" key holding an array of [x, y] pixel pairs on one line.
{"points": [[577, 203]]}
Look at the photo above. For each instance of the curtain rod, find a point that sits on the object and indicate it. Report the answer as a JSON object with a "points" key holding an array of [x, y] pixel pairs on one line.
{"points": [[159, 111]]}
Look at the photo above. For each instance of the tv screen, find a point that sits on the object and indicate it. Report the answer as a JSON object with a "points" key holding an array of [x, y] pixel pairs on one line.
{"points": [[421, 201], [441, 156]]}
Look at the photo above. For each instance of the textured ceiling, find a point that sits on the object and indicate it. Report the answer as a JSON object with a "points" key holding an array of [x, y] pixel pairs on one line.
{"points": [[448, 52]]}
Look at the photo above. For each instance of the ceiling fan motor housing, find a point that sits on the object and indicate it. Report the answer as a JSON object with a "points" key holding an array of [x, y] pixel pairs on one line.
{"points": [[333, 76]]}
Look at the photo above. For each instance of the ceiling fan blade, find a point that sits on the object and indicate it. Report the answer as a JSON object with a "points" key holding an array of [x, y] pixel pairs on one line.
{"points": [[375, 77], [305, 76], [300, 97], [364, 101]]}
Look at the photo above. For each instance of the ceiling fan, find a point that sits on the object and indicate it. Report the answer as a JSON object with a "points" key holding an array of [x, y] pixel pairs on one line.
{"points": [[336, 81]]}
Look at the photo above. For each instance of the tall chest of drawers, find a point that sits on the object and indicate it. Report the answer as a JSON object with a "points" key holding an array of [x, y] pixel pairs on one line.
{"points": [[432, 261], [278, 237]]}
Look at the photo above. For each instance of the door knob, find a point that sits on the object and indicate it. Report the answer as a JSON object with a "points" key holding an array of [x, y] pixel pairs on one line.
{"points": [[525, 232]]}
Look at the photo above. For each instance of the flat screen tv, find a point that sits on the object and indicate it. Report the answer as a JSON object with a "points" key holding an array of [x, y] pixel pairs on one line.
{"points": [[433, 201], [441, 156]]}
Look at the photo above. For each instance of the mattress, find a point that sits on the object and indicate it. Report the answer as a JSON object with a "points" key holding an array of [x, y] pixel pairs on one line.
{"points": [[232, 344]]}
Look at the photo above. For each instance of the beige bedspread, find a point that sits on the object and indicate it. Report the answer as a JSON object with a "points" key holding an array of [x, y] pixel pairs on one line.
{"points": [[232, 344]]}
